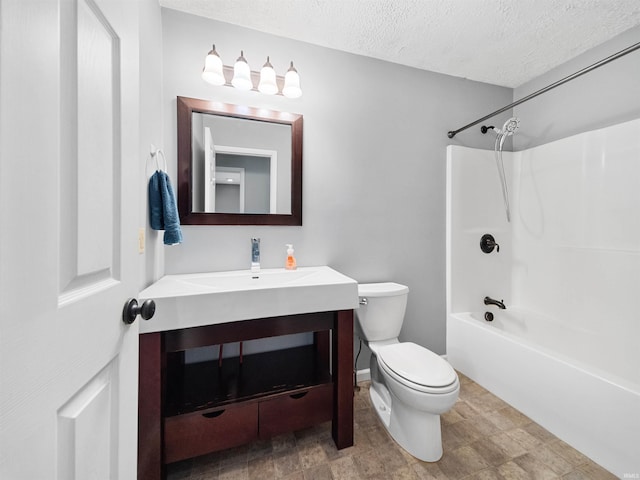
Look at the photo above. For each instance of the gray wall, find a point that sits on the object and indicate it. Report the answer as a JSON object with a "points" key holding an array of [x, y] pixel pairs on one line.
{"points": [[374, 162], [151, 264], [605, 96]]}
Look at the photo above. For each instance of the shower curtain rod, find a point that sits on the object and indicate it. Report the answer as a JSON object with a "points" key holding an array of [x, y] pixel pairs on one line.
{"points": [[452, 133]]}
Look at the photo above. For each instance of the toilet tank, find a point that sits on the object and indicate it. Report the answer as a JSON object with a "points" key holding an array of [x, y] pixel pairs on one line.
{"points": [[381, 316]]}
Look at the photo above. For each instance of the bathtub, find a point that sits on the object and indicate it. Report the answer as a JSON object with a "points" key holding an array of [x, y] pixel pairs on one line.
{"points": [[517, 358]]}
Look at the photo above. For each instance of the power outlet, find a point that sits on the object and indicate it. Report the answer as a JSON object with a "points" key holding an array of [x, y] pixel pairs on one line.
{"points": [[141, 240]]}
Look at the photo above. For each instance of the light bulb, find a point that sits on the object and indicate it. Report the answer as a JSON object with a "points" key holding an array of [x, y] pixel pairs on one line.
{"points": [[268, 83], [242, 74], [292, 83], [213, 72]]}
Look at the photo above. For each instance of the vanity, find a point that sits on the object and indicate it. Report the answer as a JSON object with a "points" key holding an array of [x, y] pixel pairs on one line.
{"points": [[191, 409]]}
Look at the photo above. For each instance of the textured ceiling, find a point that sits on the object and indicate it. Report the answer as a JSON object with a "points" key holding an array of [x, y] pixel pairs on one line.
{"points": [[503, 42]]}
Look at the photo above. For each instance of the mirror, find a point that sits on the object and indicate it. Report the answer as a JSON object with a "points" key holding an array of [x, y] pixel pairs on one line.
{"points": [[238, 165]]}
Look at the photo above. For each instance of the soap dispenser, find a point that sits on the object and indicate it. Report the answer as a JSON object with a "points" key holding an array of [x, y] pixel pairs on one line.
{"points": [[291, 261]]}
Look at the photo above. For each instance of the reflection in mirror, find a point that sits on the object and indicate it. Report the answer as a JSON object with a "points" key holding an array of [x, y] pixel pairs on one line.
{"points": [[260, 151], [238, 165]]}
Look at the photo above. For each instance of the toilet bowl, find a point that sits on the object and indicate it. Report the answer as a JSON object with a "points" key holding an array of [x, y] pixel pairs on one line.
{"points": [[410, 385]]}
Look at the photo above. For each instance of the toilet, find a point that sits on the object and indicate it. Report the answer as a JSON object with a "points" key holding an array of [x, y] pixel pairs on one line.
{"points": [[410, 385]]}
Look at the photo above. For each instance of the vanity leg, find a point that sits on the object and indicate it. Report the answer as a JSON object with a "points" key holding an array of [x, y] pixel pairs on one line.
{"points": [[342, 426], [151, 358]]}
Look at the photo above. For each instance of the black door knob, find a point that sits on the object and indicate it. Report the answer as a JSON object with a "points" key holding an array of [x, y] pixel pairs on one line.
{"points": [[131, 310]]}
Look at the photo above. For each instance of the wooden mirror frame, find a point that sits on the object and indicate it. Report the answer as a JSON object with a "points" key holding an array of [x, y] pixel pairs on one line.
{"points": [[186, 107]]}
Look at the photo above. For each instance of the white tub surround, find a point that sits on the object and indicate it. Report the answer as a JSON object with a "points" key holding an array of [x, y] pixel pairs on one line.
{"points": [[564, 352]]}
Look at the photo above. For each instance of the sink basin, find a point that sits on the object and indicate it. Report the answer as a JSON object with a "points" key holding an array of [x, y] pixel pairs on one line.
{"points": [[195, 299], [243, 279]]}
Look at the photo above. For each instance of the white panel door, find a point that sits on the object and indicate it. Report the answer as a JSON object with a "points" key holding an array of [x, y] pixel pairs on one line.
{"points": [[68, 246]]}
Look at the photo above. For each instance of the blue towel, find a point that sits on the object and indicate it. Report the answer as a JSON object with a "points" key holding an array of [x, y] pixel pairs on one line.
{"points": [[156, 216], [163, 212]]}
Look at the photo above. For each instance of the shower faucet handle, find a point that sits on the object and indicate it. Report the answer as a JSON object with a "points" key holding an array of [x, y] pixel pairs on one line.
{"points": [[488, 243]]}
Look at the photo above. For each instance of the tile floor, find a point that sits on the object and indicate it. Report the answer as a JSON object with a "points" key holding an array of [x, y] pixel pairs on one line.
{"points": [[483, 439]]}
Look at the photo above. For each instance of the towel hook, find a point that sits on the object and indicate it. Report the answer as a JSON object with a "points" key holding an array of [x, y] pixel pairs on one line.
{"points": [[156, 154]]}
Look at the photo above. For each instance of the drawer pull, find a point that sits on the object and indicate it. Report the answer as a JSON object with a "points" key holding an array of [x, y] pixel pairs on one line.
{"points": [[213, 414], [296, 396]]}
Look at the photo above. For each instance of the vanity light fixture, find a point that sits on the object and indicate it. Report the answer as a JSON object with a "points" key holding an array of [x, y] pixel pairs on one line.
{"points": [[292, 83], [213, 69], [242, 78], [242, 74], [268, 83]]}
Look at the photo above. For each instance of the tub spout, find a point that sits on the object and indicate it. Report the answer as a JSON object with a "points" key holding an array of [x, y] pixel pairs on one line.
{"points": [[497, 303]]}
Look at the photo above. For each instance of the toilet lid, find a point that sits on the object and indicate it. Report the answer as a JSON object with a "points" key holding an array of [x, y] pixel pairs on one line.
{"points": [[387, 289], [417, 364]]}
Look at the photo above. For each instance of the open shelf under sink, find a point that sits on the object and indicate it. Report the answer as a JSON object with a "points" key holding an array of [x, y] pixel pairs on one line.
{"points": [[205, 385]]}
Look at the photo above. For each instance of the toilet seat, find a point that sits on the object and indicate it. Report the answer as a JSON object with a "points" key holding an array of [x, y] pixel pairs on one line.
{"points": [[418, 368]]}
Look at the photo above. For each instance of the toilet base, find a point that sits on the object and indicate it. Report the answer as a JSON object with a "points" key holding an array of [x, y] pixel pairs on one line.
{"points": [[417, 432], [382, 407]]}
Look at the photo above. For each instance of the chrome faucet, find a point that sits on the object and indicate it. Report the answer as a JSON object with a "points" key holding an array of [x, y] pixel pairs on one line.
{"points": [[497, 303], [255, 255]]}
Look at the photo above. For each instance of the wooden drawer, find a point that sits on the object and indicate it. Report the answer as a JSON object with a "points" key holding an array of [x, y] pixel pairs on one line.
{"points": [[290, 412], [198, 433]]}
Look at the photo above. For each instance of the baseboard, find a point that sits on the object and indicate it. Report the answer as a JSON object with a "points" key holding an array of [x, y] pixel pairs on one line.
{"points": [[363, 375]]}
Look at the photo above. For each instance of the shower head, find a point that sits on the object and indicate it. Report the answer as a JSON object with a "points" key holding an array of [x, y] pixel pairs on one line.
{"points": [[510, 126]]}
